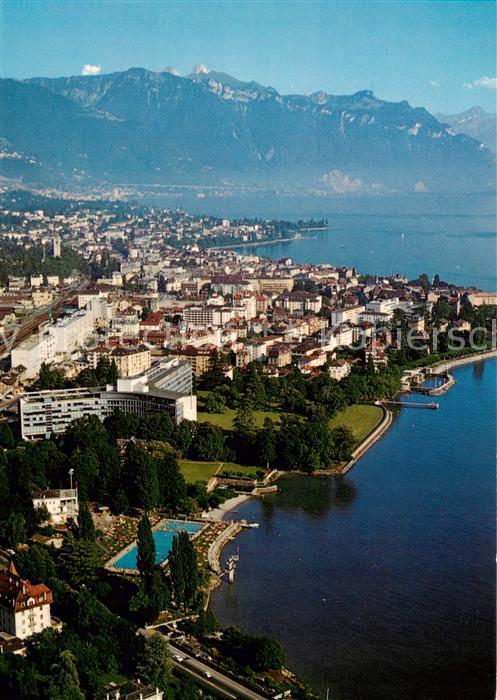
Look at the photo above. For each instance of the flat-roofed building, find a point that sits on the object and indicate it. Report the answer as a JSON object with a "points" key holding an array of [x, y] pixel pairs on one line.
{"points": [[130, 359], [275, 285], [32, 352], [165, 388], [61, 504], [300, 302]]}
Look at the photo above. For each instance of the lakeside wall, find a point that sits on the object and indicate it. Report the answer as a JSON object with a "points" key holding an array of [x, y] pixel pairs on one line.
{"points": [[446, 365], [370, 439]]}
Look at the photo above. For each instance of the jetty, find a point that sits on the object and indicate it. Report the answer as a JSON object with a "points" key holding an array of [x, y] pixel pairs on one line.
{"points": [[414, 404]]}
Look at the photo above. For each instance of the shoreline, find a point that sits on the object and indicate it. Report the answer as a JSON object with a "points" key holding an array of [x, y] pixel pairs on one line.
{"points": [[370, 439], [217, 515], [256, 243], [445, 365], [384, 425]]}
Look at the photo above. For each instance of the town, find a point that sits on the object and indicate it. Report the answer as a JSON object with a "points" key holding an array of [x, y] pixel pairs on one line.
{"points": [[151, 372]]}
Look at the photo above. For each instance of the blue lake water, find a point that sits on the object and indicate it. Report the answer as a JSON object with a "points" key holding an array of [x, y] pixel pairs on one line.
{"points": [[163, 538], [382, 586], [461, 249]]}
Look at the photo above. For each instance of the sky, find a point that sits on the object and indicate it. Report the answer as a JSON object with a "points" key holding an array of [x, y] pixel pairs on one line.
{"points": [[436, 54]]}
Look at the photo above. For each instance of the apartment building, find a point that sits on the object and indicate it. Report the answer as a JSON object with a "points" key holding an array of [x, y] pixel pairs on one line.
{"points": [[346, 315], [207, 315], [130, 360], [199, 358], [300, 302], [32, 352], [275, 285]]}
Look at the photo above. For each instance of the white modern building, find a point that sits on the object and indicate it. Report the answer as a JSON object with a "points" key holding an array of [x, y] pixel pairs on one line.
{"points": [[61, 504], [346, 315], [71, 331], [165, 388], [208, 315], [33, 352], [59, 339]]}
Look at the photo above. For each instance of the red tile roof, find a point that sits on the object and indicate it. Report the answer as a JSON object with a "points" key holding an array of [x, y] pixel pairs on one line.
{"points": [[18, 594]]}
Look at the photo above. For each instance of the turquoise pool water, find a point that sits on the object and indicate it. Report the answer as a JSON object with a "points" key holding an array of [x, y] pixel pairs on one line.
{"points": [[163, 538]]}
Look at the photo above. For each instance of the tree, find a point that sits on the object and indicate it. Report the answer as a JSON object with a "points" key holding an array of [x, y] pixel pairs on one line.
{"points": [[208, 443], [120, 503], [50, 378], [15, 530], [113, 373], [214, 402], [122, 425], [145, 547], [79, 561], [266, 442], [172, 484], [183, 435], [35, 564], [186, 689], [244, 421], [5, 505], [268, 654], [184, 570], [255, 389], [42, 462], [214, 376], [157, 590], [65, 679], [156, 426], [154, 664], [86, 527], [343, 442], [143, 484], [206, 623], [7, 439], [86, 467]]}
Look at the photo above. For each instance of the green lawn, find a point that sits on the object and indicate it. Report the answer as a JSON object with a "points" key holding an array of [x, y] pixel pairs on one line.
{"points": [[197, 471], [202, 471], [360, 418], [225, 420]]}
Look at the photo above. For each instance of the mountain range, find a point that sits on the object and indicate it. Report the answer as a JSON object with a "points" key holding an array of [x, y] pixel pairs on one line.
{"points": [[139, 127], [474, 122]]}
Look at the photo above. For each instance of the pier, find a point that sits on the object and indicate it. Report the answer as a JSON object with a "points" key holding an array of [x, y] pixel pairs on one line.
{"points": [[413, 404]]}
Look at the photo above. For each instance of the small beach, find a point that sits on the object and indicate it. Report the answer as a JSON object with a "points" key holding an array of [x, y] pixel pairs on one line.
{"points": [[231, 504]]}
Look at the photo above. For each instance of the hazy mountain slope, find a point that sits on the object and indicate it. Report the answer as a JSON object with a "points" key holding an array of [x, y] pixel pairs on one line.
{"points": [[474, 122], [138, 126]]}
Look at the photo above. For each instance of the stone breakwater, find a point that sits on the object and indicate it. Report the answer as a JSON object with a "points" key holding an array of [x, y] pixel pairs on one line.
{"points": [[214, 553]]}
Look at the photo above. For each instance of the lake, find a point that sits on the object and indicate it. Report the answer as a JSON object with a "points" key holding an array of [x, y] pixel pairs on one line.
{"points": [[461, 249], [382, 585]]}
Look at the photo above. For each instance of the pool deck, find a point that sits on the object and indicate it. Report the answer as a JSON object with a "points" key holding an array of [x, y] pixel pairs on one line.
{"points": [[110, 564]]}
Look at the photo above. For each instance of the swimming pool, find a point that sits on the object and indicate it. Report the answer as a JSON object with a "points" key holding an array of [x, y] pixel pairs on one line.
{"points": [[163, 538]]}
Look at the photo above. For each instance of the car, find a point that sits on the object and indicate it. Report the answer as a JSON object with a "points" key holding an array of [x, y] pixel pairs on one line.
{"points": [[178, 658], [207, 674]]}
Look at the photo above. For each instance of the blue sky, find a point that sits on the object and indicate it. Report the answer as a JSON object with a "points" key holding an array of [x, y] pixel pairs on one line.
{"points": [[437, 54]]}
